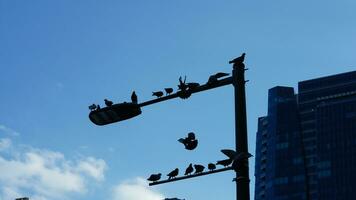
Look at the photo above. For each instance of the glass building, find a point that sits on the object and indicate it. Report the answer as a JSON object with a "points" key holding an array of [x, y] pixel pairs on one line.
{"points": [[306, 145]]}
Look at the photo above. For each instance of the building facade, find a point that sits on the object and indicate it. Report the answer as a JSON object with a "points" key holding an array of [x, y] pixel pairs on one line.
{"points": [[306, 145]]}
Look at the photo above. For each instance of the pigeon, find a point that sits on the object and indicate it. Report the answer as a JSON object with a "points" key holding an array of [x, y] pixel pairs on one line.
{"points": [[92, 107], [224, 163], [134, 97], [240, 160], [238, 60], [154, 177], [168, 90], [191, 136], [211, 166], [182, 86], [173, 173], [198, 169], [158, 94], [189, 142], [193, 86], [229, 153], [108, 103], [212, 80], [221, 74], [189, 170], [236, 156]]}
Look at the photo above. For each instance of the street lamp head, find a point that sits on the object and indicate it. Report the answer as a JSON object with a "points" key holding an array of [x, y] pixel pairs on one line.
{"points": [[114, 113]]}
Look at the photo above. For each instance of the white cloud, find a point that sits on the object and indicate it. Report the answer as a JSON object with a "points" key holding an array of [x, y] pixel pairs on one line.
{"points": [[8, 130], [46, 174], [93, 167], [9, 193], [136, 189], [5, 143]]}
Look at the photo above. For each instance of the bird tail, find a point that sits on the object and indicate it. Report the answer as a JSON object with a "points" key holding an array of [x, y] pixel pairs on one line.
{"points": [[181, 140]]}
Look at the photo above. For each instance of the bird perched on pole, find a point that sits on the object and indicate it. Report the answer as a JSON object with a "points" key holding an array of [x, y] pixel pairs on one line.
{"points": [[158, 94], [192, 85], [182, 85], [211, 166], [134, 97], [213, 79], [154, 177], [234, 155], [237, 158], [168, 90], [238, 60], [198, 169], [189, 142], [189, 169], [221, 74], [224, 163], [108, 103], [173, 173]]}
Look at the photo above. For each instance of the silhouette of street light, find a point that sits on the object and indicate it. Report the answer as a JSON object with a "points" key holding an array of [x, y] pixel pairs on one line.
{"points": [[119, 112]]}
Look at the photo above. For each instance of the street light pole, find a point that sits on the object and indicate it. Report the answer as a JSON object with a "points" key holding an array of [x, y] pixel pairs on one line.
{"points": [[242, 176], [124, 111]]}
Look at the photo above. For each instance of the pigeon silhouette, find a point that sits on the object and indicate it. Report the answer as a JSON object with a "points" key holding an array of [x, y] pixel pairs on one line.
{"points": [[238, 60], [154, 177], [212, 80], [234, 155], [173, 173], [191, 136], [189, 170], [221, 74], [190, 142], [198, 169], [158, 94], [224, 163], [108, 103], [134, 97], [192, 86], [92, 107], [182, 85], [237, 158], [168, 90], [211, 166]]}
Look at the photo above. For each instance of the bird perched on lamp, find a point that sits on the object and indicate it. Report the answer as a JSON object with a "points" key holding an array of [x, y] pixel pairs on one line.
{"points": [[108, 103], [134, 97], [92, 107]]}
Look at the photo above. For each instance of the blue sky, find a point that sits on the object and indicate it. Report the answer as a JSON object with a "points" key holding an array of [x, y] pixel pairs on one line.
{"points": [[58, 57]]}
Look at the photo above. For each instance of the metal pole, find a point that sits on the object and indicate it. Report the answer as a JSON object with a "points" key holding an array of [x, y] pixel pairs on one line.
{"points": [[242, 174], [190, 176]]}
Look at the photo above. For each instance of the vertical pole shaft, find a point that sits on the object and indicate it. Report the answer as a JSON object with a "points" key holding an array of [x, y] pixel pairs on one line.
{"points": [[242, 174]]}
